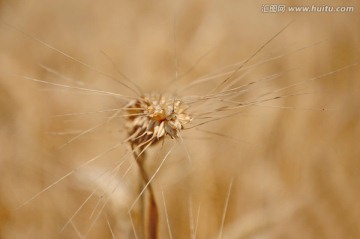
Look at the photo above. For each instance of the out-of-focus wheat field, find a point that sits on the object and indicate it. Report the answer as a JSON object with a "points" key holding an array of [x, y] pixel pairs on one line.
{"points": [[294, 163]]}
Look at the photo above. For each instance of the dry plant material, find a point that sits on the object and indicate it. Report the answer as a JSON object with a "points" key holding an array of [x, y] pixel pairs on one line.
{"points": [[152, 118]]}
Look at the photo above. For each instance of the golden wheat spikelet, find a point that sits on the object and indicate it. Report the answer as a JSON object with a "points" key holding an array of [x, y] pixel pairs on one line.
{"points": [[153, 117], [295, 165]]}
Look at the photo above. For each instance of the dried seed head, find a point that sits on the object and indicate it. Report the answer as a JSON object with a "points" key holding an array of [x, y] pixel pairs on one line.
{"points": [[153, 117]]}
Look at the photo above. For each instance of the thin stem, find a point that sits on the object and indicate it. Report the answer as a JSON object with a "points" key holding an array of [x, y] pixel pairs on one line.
{"points": [[153, 215]]}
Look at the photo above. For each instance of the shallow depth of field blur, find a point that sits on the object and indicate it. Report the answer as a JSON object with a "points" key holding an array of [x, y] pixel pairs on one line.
{"points": [[295, 172]]}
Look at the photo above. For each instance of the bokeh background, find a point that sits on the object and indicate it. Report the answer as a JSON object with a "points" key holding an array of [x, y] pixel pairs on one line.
{"points": [[295, 173]]}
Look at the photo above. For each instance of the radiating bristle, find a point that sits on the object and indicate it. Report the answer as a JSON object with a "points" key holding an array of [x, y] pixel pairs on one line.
{"points": [[250, 133]]}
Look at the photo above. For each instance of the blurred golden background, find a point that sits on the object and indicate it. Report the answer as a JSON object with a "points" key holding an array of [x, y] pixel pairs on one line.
{"points": [[295, 172]]}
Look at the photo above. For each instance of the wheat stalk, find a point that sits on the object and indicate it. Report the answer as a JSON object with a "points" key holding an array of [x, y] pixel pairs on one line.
{"points": [[149, 120]]}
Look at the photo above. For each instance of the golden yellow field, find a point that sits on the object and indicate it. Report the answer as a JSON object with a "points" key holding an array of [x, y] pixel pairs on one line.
{"points": [[286, 167]]}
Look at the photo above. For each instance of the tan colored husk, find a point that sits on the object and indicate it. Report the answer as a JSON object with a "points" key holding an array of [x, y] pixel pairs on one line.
{"points": [[296, 169]]}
